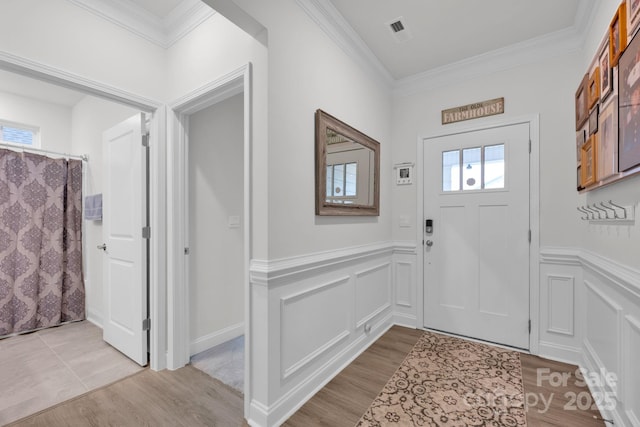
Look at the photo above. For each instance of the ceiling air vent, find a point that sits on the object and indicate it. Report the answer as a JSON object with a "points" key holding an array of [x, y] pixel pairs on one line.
{"points": [[399, 32], [397, 26]]}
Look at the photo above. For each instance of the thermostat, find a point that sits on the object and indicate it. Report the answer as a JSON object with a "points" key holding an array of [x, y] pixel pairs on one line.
{"points": [[404, 174]]}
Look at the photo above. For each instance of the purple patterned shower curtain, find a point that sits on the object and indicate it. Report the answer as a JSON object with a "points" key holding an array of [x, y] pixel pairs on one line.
{"points": [[41, 281]]}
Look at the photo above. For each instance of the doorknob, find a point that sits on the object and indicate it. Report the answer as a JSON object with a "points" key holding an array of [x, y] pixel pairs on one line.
{"points": [[429, 243], [103, 246]]}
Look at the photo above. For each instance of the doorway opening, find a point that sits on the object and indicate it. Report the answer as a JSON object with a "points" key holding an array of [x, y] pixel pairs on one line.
{"points": [[68, 360], [210, 224], [215, 275]]}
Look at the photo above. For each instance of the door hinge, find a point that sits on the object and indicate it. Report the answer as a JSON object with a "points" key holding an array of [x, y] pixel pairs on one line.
{"points": [[146, 324], [145, 140], [187, 251], [529, 146], [529, 236], [146, 232], [529, 325]]}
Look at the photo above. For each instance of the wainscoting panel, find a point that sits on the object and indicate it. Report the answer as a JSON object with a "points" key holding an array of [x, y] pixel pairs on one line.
{"points": [[631, 371], [604, 321], [313, 321], [402, 280], [561, 334], [404, 284], [606, 298], [319, 311], [560, 304], [373, 292]]}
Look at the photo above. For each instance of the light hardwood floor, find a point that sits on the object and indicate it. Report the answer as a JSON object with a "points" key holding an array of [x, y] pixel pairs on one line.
{"points": [[185, 397], [345, 398], [553, 405], [188, 397]]}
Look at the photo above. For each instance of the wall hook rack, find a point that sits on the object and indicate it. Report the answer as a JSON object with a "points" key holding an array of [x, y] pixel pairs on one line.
{"points": [[608, 212]]}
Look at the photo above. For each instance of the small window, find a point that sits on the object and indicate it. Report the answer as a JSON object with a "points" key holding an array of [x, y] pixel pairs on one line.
{"points": [[477, 168], [17, 134], [494, 166], [341, 182], [451, 170]]}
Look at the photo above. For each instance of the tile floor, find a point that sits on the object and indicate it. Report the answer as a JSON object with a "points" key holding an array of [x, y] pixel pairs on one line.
{"points": [[224, 362], [43, 368]]}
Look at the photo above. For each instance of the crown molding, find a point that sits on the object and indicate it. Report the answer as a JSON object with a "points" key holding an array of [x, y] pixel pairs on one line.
{"points": [[566, 41], [162, 32], [530, 51], [184, 19], [331, 21]]}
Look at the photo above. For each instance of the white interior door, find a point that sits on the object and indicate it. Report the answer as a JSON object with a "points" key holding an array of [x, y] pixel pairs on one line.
{"points": [[125, 251], [476, 257]]}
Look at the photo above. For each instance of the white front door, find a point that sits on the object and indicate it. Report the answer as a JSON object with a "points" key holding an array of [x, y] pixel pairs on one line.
{"points": [[476, 257], [125, 249]]}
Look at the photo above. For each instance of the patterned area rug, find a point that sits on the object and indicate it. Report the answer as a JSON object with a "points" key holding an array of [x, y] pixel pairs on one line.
{"points": [[446, 381]]}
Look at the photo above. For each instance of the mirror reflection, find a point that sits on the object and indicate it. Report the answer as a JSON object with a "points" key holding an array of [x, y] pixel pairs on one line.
{"points": [[349, 170]]}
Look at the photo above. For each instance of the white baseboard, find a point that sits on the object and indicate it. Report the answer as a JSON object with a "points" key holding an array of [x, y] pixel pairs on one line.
{"points": [[560, 353], [95, 318], [216, 338], [406, 320]]}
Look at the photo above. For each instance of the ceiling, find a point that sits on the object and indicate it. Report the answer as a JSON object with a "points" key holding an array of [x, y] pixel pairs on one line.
{"points": [[448, 31], [442, 32]]}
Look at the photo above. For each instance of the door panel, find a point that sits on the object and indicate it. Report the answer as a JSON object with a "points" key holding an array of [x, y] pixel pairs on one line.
{"points": [[452, 278], [125, 255], [492, 298], [476, 270]]}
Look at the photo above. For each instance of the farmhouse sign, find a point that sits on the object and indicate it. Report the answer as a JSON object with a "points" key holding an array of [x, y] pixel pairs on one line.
{"points": [[473, 111]]}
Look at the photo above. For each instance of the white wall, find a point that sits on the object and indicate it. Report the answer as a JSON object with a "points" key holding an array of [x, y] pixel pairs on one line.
{"points": [[308, 71], [63, 35], [195, 60], [53, 120], [90, 117], [216, 261]]}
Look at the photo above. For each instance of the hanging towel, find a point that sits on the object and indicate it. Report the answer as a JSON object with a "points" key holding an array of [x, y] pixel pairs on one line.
{"points": [[93, 207]]}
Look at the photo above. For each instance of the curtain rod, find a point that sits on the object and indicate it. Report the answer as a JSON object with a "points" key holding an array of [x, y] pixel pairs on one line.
{"points": [[82, 157]]}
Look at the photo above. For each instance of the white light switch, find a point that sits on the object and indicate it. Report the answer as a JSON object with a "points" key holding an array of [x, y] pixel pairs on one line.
{"points": [[404, 221], [233, 222]]}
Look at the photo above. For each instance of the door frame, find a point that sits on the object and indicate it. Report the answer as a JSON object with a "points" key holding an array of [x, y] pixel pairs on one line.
{"points": [[157, 177], [534, 213], [178, 112]]}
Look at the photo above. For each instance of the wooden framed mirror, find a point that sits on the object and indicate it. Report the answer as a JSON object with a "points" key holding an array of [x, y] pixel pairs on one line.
{"points": [[347, 169]]}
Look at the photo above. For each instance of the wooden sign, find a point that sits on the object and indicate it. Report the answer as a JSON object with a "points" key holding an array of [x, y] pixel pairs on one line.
{"points": [[473, 111]]}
